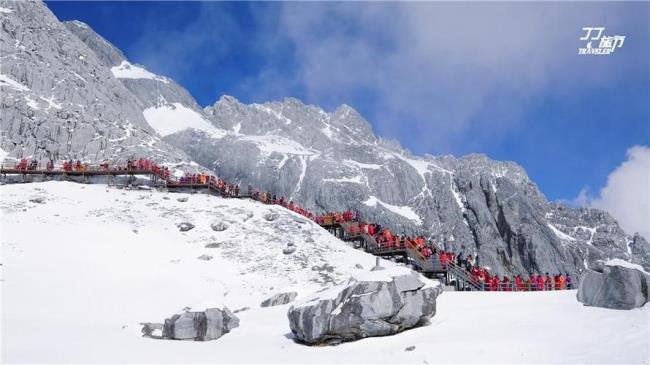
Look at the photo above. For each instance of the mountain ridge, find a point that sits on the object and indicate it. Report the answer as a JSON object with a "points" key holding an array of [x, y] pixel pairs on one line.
{"points": [[330, 161]]}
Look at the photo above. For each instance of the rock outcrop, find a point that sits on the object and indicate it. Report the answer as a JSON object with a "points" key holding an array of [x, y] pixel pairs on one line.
{"points": [[185, 226], [376, 303], [206, 325], [615, 284], [280, 299], [219, 226]]}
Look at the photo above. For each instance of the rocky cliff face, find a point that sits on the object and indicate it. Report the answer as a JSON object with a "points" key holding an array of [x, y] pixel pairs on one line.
{"points": [[59, 101], [150, 90], [474, 205], [72, 93]]}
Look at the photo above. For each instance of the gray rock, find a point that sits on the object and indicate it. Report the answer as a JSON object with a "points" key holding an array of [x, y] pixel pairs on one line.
{"points": [[213, 245], [219, 226], [410, 348], [153, 330], [597, 266], [290, 244], [365, 308], [183, 199], [358, 266], [200, 326], [279, 299], [243, 309], [38, 200], [185, 226], [205, 257], [614, 287], [271, 216], [289, 250]]}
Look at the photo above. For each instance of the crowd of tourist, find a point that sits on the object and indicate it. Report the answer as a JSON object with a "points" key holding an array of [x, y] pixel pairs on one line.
{"points": [[384, 238], [267, 198]]}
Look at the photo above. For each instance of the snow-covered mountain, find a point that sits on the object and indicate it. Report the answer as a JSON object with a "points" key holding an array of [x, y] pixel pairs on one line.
{"points": [[60, 101], [474, 205], [166, 106], [324, 160]]}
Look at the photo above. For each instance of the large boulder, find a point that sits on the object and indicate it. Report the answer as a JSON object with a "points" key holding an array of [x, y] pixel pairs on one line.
{"points": [[280, 299], [376, 303], [615, 284], [206, 325]]}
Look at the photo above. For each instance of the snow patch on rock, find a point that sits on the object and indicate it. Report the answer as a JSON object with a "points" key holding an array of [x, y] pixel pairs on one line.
{"points": [[7, 81], [561, 235], [127, 70], [625, 264], [171, 118], [405, 211]]}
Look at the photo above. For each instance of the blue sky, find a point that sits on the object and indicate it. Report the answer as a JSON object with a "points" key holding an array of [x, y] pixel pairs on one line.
{"points": [[502, 79]]}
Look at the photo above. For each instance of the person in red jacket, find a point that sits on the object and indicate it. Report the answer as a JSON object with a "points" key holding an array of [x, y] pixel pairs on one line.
{"points": [[556, 282], [506, 285], [483, 276], [371, 229], [540, 282], [443, 259], [388, 235], [533, 282], [494, 283], [549, 282], [519, 283]]}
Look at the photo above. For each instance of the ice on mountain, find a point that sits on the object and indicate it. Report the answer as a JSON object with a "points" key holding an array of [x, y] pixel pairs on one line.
{"points": [[126, 70]]}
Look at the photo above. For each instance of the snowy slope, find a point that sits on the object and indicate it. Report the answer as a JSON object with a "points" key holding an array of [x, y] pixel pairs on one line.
{"points": [[126, 70], [85, 266], [171, 118]]}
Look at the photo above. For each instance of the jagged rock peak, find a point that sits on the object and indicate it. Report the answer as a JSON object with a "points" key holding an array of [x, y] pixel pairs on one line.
{"points": [[107, 53], [227, 99]]}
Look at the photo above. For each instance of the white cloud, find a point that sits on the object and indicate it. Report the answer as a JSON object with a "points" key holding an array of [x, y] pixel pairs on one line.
{"points": [[433, 75], [626, 196], [434, 69]]}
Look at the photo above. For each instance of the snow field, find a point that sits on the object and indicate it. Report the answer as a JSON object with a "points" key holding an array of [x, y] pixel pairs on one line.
{"points": [[171, 118], [83, 268]]}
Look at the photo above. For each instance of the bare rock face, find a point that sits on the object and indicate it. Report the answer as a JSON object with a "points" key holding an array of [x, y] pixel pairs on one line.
{"points": [[200, 326], [59, 101], [279, 299], [377, 303], [615, 285], [289, 250]]}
